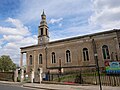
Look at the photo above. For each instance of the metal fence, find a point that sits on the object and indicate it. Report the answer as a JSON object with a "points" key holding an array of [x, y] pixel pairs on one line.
{"points": [[86, 76]]}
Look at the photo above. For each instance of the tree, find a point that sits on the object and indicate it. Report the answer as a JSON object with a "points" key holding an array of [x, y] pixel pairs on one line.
{"points": [[6, 63]]}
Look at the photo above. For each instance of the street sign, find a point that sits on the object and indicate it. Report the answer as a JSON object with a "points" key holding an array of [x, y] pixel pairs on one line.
{"points": [[112, 67]]}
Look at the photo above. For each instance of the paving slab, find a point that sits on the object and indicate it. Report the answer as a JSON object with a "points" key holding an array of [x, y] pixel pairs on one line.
{"points": [[68, 87], [61, 86]]}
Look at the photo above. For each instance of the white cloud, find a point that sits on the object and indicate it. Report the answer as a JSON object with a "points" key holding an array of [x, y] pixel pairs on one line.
{"points": [[106, 14], [27, 41], [12, 38], [15, 22], [52, 21], [60, 24], [7, 30], [1, 42], [15, 37], [19, 28], [12, 50], [70, 32], [11, 46], [31, 11]]}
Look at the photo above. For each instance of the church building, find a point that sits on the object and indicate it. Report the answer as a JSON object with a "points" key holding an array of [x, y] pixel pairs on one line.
{"points": [[70, 53]]}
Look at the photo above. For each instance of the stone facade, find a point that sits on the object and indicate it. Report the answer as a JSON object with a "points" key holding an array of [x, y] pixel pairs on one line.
{"points": [[72, 52]]}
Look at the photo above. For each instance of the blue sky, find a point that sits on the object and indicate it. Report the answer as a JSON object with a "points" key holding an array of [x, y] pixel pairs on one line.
{"points": [[19, 20]]}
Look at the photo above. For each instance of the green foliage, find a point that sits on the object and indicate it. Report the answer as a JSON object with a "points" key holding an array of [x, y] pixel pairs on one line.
{"points": [[6, 64]]}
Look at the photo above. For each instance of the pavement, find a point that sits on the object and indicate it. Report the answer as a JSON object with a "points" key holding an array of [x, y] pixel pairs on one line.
{"points": [[10, 83], [61, 86]]}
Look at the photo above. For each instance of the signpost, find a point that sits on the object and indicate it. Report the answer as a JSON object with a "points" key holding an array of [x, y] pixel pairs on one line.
{"points": [[112, 67]]}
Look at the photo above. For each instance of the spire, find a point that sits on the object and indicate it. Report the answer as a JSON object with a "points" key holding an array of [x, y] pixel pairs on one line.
{"points": [[43, 14], [43, 34]]}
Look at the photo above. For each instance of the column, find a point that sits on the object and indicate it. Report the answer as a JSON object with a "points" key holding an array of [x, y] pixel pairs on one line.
{"points": [[40, 74], [32, 75], [27, 63], [21, 67], [16, 75], [22, 75], [21, 60]]}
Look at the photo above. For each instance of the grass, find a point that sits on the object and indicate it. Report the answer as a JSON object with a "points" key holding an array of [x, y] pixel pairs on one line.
{"points": [[72, 77]]}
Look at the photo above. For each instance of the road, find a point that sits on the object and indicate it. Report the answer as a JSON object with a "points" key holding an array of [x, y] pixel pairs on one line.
{"points": [[11, 87]]}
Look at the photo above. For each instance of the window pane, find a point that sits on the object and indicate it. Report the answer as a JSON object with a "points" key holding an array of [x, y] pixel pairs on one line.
{"points": [[105, 52], [85, 54], [68, 57], [108, 56], [30, 59], [41, 31], [53, 58], [40, 59]]}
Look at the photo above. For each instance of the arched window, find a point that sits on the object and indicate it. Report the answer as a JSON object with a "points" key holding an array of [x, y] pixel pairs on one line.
{"points": [[105, 52], [30, 59], [68, 59], [53, 58], [40, 59], [85, 54]]}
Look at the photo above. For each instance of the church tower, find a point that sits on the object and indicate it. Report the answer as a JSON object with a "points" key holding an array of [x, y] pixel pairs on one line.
{"points": [[43, 36]]}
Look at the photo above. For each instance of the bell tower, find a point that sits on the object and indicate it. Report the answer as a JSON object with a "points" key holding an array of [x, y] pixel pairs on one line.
{"points": [[43, 35]]}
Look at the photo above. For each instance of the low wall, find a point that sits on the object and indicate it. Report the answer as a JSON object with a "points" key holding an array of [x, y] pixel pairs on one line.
{"points": [[6, 76]]}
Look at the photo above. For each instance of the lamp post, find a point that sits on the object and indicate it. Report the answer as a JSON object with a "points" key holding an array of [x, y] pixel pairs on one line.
{"points": [[98, 70], [96, 61]]}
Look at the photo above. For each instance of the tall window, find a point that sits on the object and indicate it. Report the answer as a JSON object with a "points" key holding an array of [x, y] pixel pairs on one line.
{"points": [[68, 59], [41, 31], [53, 58], [30, 59], [105, 52], [46, 31], [85, 54], [40, 59]]}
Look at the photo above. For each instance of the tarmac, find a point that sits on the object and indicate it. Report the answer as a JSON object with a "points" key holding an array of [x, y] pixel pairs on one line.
{"points": [[61, 86]]}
